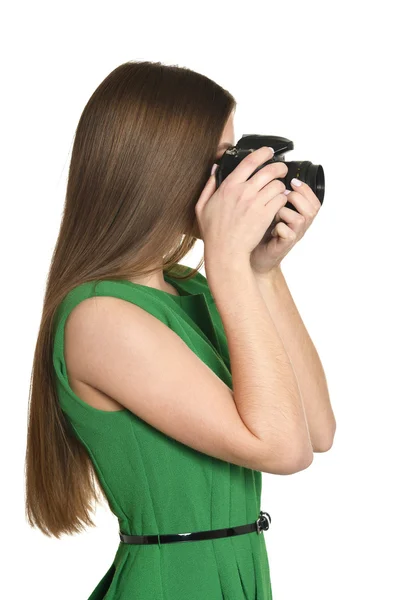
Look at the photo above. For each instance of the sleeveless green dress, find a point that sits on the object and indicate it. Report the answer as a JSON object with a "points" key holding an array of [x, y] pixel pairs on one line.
{"points": [[157, 485]]}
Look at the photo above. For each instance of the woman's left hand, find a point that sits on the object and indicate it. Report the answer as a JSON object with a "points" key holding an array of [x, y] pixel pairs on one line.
{"points": [[267, 256]]}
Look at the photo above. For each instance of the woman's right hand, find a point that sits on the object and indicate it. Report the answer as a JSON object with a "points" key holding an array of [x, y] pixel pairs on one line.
{"points": [[234, 218]]}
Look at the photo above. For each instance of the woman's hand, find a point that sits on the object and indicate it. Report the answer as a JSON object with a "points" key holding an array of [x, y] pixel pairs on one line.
{"points": [[233, 218], [268, 256]]}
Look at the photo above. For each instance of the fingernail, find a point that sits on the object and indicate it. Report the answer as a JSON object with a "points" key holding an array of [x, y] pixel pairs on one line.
{"points": [[286, 192], [272, 149], [296, 181], [215, 166]]}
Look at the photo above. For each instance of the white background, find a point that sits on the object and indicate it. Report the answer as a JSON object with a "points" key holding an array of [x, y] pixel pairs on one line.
{"points": [[322, 74]]}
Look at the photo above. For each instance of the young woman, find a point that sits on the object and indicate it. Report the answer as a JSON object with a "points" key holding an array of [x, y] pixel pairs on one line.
{"points": [[137, 355]]}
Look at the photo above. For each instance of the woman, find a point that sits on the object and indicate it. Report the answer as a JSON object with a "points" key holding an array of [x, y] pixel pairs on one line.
{"points": [[132, 386]]}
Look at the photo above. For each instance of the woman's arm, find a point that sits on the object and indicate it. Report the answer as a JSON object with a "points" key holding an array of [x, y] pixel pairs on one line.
{"points": [[304, 358], [265, 386]]}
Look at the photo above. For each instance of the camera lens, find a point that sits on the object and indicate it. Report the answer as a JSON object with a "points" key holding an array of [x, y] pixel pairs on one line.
{"points": [[312, 175]]}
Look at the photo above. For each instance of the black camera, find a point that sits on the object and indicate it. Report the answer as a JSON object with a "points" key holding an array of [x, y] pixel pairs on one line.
{"points": [[312, 175]]}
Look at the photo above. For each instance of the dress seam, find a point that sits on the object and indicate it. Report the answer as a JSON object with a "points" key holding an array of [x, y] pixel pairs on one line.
{"points": [[153, 511], [102, 479]]}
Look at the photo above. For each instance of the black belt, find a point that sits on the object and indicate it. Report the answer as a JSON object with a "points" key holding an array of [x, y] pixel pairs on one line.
{"points": [[261, 524]]}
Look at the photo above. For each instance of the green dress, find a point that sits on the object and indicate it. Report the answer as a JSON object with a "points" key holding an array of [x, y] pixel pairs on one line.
{"points": [[157, 485]]}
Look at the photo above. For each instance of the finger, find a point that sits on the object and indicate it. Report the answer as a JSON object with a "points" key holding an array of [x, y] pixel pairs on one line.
{"points": [[276, 170], [302, 204], [273, 205], [269, 191], [208, 191], [305, 190], [284, 232], [249, 164], [295, 220]]}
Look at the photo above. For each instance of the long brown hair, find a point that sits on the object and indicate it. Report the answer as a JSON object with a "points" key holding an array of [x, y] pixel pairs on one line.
{"points": [[142, 153]]}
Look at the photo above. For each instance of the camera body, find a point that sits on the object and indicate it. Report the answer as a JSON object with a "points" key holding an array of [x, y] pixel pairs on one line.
{"points": [[311, 174]]}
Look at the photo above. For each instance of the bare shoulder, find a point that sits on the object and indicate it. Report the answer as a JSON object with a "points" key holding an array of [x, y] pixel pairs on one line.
{"points": [[76, 326]]}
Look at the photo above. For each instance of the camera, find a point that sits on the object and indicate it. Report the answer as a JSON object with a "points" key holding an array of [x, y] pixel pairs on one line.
{"points": [[309, 173]]}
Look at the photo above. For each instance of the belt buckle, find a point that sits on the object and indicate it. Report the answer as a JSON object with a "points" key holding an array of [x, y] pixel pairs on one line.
{"points": [[263, 521]]}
